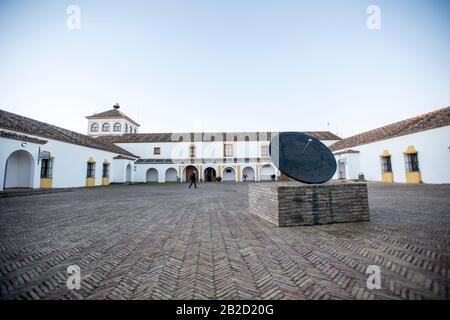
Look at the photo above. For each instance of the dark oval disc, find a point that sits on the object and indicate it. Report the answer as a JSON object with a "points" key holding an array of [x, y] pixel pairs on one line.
{"points": [[302, 157]]}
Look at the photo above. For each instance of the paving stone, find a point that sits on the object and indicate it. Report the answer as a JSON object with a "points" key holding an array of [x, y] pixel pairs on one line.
{"points": [[168, 242]]}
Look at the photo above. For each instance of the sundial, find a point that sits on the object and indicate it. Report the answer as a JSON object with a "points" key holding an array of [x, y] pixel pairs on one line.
{"points": [[302, 157]]}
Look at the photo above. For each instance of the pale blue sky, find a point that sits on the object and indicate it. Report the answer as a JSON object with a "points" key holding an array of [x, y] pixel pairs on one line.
{"points": [[226, 65]]}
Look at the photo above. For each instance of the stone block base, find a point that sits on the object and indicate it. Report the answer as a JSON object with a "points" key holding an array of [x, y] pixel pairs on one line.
{"points": [[287, 204]]}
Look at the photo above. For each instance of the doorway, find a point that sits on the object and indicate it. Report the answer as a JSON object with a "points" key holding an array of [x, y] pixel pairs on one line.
{"points": [[189, 170], [210, 175], [342, 169], [128, 174], [19, 170]]}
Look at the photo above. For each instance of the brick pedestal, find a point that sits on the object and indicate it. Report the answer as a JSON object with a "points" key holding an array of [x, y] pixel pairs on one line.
{"points": [[288, 204]]}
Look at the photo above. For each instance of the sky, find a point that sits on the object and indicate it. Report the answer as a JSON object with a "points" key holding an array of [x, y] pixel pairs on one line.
{"points": [[234, 65]]}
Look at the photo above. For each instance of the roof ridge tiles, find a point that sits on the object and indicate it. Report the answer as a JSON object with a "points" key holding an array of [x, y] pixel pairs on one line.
{"points": [[427, 121], [18, 123]]}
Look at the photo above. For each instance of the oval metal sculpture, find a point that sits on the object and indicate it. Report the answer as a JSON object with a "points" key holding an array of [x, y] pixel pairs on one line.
{"points": [[302, 157]]}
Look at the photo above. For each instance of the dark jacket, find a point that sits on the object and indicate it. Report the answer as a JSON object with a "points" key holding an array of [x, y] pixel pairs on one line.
{"points": [[192, 177]]}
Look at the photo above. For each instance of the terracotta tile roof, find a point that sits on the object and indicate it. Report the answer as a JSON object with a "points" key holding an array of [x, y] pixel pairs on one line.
{"points": [[113, 114], [14, 122], [205, 137], [435, 119], [120, 157], [345, 152], [20, 137]]}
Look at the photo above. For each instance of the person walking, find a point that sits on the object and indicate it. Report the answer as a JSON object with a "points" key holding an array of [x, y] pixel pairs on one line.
{"points": [[245, 176], [193, 179]]}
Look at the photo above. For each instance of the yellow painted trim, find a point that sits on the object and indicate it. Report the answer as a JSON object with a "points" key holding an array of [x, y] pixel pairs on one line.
{"points": [[219, 169], [258, 178], [200, 174], [410, 150], [105, 181], [385, 154], [90, 182], [238, 173], [413, 177], [91, 160], [387, 177], [46, 183]]}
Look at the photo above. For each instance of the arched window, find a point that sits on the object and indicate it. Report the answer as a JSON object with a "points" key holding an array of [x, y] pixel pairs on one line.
{"points": [[126, 128], [247, 138], [180, 139], [94, 127], [131, 129], [134, 130], [105, 127], [235, 138], [213, 139], [117, 127]]}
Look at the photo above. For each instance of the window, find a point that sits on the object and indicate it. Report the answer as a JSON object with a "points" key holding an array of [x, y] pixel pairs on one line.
{"points": [[47, 168], [235, 138], [126, 128], [386, 165], [134, 130], [213, 139], [228, 150], [131, 129], [91, 170], [180, 139], [264, 151], [105, 173], [411, 162], [105, 127], [156, 150], [247, 138], [94, 127], [117, 127], [192, 151]]}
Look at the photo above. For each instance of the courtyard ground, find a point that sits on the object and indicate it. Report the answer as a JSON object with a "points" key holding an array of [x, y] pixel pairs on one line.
{"points": [[168, 242]]}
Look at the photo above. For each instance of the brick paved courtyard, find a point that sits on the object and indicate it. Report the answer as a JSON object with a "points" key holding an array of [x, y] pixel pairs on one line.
{"points": [[166, 242]]}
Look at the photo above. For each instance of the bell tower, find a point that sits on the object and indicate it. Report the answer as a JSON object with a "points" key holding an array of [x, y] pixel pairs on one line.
{"points": [[111, 122]]}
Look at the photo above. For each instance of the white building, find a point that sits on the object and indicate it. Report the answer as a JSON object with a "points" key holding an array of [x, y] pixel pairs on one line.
{"points": [[34, 154], [228, 156], [411, 151]]}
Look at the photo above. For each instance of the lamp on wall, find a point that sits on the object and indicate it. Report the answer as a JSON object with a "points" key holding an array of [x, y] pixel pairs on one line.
{"points": [[24, 144]]}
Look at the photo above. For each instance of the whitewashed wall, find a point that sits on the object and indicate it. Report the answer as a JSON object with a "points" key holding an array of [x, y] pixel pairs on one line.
{"points": [[118, 173], [69, 166], [180, 150], [352, 167], [433, 153], [142, 169]]}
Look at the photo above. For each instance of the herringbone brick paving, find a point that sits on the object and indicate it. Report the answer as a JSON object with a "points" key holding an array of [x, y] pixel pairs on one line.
{"points": [[168, 242]]}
